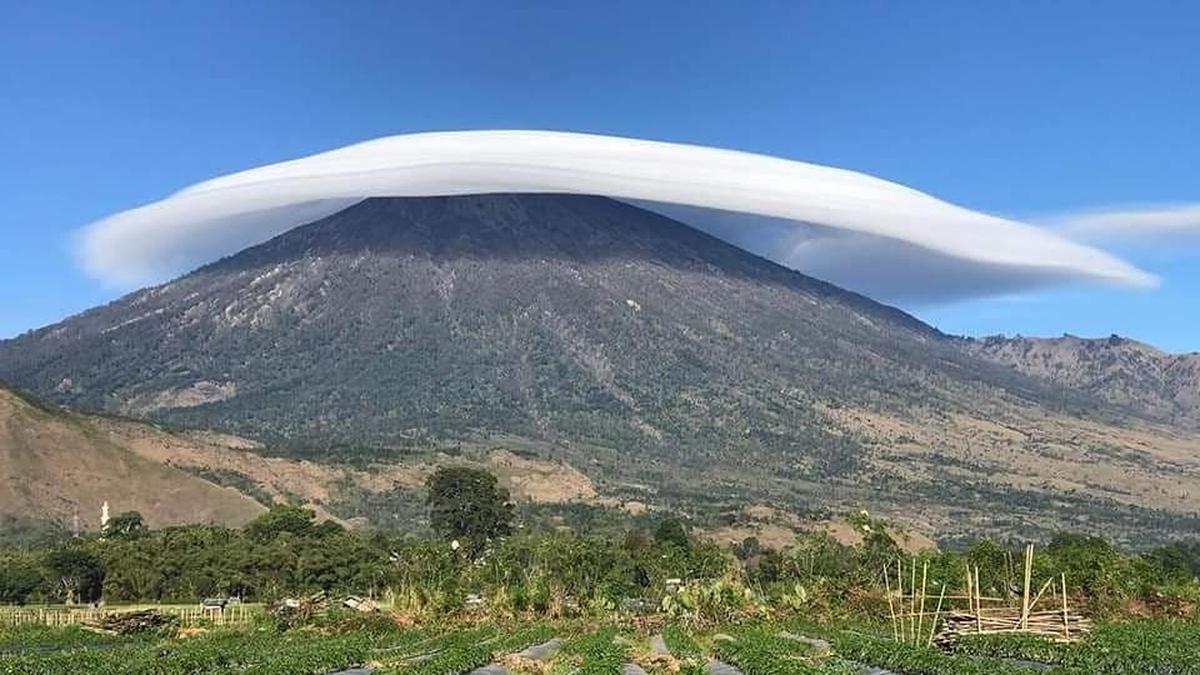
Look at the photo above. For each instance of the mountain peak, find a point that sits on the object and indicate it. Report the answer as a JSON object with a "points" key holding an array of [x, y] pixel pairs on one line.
{"points": [[587, 330]]}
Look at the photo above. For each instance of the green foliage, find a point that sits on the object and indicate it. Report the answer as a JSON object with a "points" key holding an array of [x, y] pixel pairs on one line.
{"points": [[915, 659], [602, 652], [681, 644], [1179, 560], [282, 519], [127, 524], [225, 652], [1088, 561], [761, 652], [24, 532], [1158, 647], [1021, 646], [672, 531], [78, 574], [464, 651], [709, 602], [21, 576], [468, 505]]}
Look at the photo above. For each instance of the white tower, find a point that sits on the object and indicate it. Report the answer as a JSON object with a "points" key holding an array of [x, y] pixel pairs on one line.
{"points": [[104, 516]]}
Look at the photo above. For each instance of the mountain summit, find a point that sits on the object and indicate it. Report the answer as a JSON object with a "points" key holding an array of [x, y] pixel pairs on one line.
{"points": [[677, 367]]}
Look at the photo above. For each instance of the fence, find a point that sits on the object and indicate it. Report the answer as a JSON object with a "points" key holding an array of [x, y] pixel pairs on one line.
{"points": [[908, 610], [187, 615]]}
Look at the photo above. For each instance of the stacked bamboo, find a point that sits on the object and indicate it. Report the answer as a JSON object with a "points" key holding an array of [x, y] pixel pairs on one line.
{"points": [[1047, 623]]}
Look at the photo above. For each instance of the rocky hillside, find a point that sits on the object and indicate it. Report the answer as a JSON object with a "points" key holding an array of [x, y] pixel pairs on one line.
{"points": [[1115, 369], [673, 368]]}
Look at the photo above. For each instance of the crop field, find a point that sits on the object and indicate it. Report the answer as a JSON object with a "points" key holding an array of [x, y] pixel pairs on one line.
{"points": [[578, 648]]}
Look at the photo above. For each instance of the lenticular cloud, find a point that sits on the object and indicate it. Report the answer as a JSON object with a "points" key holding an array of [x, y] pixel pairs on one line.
{"points": [[862, 232]]}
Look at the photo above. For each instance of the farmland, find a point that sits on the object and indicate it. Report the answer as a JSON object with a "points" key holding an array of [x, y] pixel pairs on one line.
{"points": [[288, 594], [761, 648]]}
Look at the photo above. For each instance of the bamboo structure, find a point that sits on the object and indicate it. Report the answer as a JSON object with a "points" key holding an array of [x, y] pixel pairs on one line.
{"points": [[948, 621]]}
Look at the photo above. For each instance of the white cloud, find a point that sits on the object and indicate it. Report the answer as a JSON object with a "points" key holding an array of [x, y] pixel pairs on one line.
{"points": [[1131, 223], [853, 229]]}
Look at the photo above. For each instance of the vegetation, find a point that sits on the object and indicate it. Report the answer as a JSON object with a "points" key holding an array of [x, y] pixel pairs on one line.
{"points": [[506, 589], [339, 641], [467, 505]]}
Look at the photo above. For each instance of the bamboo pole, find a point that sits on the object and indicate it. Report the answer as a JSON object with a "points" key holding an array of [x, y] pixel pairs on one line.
{"points": [[913, 603], [970, 589], [887, 583], [1040, 592], [1025, 591], [921, 615], [936, 612], [1066, 621], [978, 603]]}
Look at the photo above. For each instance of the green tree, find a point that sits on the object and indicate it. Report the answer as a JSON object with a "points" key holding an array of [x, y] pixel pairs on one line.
{"points": [[282, 519], [79, 575], [123, 525], [20, 577], [672, 532], [468, 505]]}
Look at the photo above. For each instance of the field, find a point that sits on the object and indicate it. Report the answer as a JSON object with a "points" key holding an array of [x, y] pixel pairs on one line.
{"points": [[500, 599], [342, 641]]}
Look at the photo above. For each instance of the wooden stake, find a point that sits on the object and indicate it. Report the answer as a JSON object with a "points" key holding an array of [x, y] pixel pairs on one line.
{"points": [[936, 613], [978, 603], [1038, 597], [887, 583], [1066, 621], [921, 612], [1025, 592], [912, 624]]}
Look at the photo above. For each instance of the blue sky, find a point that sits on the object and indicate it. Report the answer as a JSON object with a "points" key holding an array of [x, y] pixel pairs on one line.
{"points": [[1020, 109]]}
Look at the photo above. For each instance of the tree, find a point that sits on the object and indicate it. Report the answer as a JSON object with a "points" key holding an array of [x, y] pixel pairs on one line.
{"points": [[282, 519], [749, 548], [673, 532], [78, 574], [19, 578], [124, 525], [468, 505]]}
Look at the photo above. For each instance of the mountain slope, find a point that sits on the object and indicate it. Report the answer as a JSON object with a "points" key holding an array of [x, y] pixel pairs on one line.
{"points": [[674, 368], [1121, 371], [56, 465]]}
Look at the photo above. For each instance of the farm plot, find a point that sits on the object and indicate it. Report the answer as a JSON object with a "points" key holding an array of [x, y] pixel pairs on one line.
{"points": [[1157, 647]]}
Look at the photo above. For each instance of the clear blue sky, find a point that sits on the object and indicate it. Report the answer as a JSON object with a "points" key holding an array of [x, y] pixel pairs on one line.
{"points": [[1016, 108]]}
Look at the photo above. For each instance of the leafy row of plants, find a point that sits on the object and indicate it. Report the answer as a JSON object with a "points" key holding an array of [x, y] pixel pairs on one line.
{"points": [[761, 652], [1150, 647], [1022, 646], [685, 649], [466, 651], [601, 652], [261, 652], [915, 659]]}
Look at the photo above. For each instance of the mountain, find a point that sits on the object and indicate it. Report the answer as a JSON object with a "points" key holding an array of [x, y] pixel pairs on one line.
{"points": [[1118, 370], [674, 369]]}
